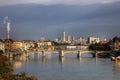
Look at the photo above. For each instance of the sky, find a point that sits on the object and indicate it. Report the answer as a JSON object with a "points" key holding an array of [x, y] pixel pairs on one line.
{"points": [[32, 19]]}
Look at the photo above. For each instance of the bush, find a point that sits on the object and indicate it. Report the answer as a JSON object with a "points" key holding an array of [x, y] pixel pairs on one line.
{"points": [[21, 76], [6, 71], [5, 65], [99, 47], [1, 51]]}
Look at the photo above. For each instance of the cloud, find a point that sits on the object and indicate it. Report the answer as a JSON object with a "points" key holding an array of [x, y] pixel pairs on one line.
{"points": [[51, 2], [33, 21]]}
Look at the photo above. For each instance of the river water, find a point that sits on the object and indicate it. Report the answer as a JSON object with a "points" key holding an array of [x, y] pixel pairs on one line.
{"points": [[69, 67]]}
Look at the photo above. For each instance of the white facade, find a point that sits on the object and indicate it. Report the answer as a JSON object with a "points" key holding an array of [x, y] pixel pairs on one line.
{"points": [[8, 30], [81, 41], [27, 45], [83, 47], [77, 47], [40, 44], [69, 39], [71, 47], [64, 37], [2, 46], [93, 40]]}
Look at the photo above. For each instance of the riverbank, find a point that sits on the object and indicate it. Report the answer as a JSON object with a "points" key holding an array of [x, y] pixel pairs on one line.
{"points": [[6, 71]]}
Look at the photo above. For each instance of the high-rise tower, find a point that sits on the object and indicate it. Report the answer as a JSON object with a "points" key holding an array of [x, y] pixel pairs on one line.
{"points": [[7, 23], [63, 37], [8, 30]]}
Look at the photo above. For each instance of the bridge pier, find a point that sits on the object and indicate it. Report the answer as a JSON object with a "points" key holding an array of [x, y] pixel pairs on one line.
{"points": [[61, 53], [79, 54], [43, 53]]}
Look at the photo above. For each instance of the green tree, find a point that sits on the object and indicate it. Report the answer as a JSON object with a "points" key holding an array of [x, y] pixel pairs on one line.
{"points": [[1, 51], [5, 65], [35, 45], [98, 46], [6, 71]]}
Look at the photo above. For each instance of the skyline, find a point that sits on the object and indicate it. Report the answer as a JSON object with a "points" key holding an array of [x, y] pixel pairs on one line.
{"points": [[49, 18]]}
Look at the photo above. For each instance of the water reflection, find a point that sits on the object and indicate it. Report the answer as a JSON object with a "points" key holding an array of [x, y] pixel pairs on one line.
{"points": [[116, 70], [61, 60], [54, 58], [44, 60], [116, 67], [36, 57], [17, 64], [68, 67]]}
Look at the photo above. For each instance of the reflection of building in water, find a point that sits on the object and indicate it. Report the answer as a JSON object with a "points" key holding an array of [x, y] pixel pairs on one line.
{"points": [[44, 60], [23, 58], [116, 69], [79, 59], [36, 56], [17, 64]]}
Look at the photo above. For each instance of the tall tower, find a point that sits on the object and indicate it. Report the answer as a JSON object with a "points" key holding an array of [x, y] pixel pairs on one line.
{"points": [[8, 30], [7, 23], [8, 42], [63, 37]]}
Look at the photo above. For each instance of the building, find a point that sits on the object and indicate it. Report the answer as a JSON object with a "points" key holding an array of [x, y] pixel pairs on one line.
{"points": [[42, 39], [93, 40], [85, 47], [103, 41], [116, 43], [69, 39], [8, 44], [27, 44], [72, 38], [2, 45], [17, 45], [81, 41], [46, 45], [71, 47], [64, 37]]}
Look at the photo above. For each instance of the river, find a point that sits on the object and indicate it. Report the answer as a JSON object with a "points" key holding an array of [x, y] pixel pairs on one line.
{"points": [[69, 67]]}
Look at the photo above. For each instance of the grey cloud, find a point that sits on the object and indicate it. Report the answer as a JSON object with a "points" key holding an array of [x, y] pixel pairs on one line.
{"points": [[34, 21], [51, 2]]}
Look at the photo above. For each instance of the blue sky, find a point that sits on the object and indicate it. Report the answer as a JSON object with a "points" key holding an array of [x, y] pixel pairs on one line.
{"points": [[32, 19]]}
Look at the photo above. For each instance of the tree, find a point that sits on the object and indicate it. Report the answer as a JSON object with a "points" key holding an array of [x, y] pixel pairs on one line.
{"points": [[5, 65], [6, 71], [1, 51], [98, 46], [35, 45]]}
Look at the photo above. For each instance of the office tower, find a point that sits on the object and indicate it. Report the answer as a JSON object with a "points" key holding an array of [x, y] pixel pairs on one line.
{"points": [[63, 37], [7, 23]]}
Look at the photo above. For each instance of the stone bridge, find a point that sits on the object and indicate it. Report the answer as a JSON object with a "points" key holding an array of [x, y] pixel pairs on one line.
{"points": [[63, 52]]}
